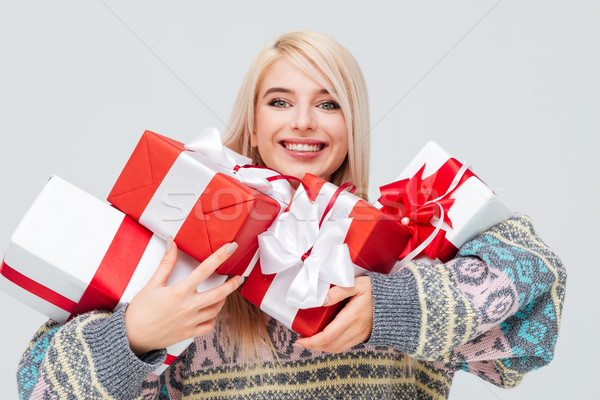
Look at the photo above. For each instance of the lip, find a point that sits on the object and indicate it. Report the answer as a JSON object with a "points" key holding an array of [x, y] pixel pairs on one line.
{"points": [[303, 155]]}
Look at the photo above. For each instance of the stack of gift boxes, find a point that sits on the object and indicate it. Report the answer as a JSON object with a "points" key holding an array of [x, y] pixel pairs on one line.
{"points": [[73, 253]]}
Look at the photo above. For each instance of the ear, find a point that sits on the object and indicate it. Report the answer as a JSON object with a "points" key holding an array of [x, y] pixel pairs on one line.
{"points": [[253, 139]]}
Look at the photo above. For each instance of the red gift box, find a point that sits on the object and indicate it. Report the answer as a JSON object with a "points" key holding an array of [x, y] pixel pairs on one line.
{"points": [[326, 236], [183, 194]]}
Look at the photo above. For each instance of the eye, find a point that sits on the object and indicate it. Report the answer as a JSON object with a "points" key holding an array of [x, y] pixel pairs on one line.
{"points": [[279, 103], [329, 105]]}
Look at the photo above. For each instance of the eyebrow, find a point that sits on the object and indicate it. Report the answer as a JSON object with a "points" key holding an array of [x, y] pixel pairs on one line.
{"points": [[285, 90]]}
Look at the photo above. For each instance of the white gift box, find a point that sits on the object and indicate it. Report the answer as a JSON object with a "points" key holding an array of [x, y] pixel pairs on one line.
{"points": [[475, 206], [72, 253]]}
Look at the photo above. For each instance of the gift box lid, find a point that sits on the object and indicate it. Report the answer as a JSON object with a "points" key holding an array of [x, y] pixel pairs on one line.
{"points": [[152, 160]]}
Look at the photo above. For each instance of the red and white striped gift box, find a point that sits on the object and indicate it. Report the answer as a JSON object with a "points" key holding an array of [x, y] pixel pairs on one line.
{"points": [[327, 236], [199, 195]]}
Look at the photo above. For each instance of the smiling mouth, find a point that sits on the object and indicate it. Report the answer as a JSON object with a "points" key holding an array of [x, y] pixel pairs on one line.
{"points": [[303, 147]]}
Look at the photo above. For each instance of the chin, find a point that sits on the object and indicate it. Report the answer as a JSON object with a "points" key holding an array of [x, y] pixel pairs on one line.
{"points": [[300, 174]]}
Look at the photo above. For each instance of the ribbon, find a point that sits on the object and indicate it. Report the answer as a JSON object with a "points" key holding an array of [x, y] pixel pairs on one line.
{"points": [[209, 144], [116, 268], [298, 243], [37, 288], [422, 205], [170, 359], [110, 280], [286, 195]]}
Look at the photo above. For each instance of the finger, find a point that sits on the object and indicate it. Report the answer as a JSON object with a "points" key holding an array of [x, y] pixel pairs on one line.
{"points": [[166, 264], [352, 325], [322, 340], [336, 337], [203, 328], [337, 294], [208, 313], [209, 265], [219, 293]]}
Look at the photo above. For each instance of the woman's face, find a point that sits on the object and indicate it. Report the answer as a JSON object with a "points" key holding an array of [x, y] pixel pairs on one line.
{"points": [[299, 127]]}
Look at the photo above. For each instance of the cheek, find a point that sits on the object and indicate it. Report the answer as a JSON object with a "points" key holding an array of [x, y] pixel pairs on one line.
{"points": [[265, 125], [339, 134], [259, 129]]}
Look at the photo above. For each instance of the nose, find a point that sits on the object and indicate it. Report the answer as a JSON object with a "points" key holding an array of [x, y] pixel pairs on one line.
{"points": [[304, 118]]}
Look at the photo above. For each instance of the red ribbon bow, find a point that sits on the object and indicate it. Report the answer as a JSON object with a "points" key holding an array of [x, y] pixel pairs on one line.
{"points": [[415, 201]]}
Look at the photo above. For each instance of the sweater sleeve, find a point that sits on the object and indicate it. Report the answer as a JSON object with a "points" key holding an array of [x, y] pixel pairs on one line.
{"points": [[494, 310], [86, 358]]}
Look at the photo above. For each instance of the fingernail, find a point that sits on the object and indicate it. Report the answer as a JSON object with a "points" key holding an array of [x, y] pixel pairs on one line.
{"points": [[231, 248], [241, 279], [297, 345], [169, 245], [326, 301]]}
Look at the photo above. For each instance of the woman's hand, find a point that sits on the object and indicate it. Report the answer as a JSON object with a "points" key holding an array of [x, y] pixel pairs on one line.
{"points": [[160, 315], [352, 325]]}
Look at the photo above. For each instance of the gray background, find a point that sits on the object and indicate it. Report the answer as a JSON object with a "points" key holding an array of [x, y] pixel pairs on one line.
{"points": [[509, 86]]}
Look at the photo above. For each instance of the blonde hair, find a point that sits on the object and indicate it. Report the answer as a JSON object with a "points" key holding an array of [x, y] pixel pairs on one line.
{"points": [[331, 65]]}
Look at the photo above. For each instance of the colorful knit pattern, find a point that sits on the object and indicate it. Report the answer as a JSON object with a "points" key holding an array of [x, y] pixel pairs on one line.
{"points": [[364, 372], [539, 281], [28, 373], [493, 311], [75, 360]]}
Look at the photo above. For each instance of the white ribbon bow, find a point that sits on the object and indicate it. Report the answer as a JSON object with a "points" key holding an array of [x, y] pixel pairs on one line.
{"points": [[291, 236], [209, 144]]}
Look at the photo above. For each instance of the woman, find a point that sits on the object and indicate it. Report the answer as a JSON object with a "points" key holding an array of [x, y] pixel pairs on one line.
{"points": [[494, 310]]}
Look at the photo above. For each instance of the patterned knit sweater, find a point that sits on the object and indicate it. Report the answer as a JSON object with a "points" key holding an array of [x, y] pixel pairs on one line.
{"points": [[493, 311]]}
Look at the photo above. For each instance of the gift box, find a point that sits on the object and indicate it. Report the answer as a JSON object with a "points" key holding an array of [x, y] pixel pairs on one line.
{"points": [[326, 237], [200, 195], [442, 203], [73, 253]]}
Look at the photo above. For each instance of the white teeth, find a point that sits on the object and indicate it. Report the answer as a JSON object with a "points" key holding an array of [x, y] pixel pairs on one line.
{"points": [[302, 147]]}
